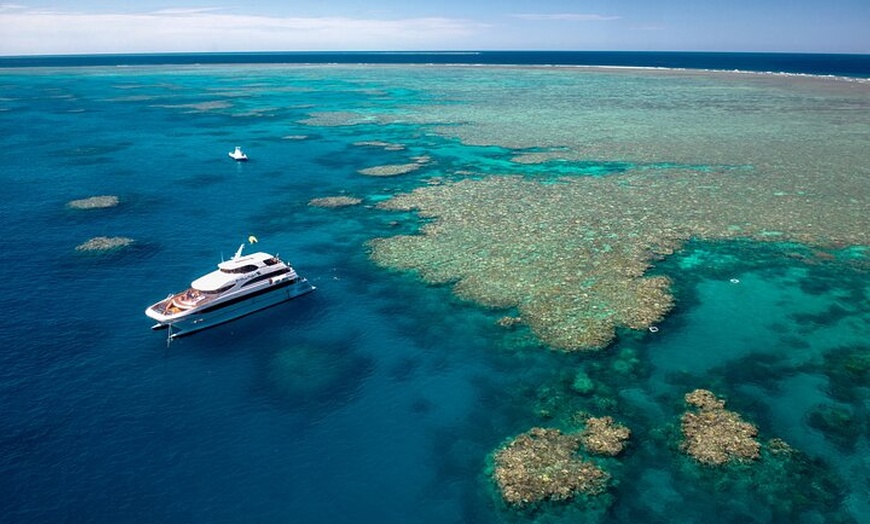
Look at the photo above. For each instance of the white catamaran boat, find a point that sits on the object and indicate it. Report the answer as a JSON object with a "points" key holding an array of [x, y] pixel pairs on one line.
{"points": [[240, 286], [237, 154]]}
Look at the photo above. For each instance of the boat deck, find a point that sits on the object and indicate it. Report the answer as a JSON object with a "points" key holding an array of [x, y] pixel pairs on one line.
{"points": [[183, 301]]}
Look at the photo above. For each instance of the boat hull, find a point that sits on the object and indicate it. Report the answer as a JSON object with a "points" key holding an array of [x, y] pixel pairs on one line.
{"points": [[222, 313]]}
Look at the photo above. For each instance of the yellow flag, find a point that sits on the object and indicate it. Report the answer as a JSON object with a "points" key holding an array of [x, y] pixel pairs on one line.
{"points": [[252, 239]]}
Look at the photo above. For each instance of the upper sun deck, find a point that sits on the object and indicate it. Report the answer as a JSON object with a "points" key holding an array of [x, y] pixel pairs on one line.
{"points": [[232, 271], [248, 263]]}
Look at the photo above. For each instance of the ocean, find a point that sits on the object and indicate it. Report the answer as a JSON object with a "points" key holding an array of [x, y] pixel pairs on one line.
{"points": [[450, 294], [848, 65]]}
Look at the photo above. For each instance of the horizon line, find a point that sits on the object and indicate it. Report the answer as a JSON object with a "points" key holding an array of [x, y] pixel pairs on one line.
{"points": [[426, 52]]}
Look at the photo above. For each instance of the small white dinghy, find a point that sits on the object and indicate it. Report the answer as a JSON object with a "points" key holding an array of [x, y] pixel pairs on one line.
{"points": [[238, 155]]}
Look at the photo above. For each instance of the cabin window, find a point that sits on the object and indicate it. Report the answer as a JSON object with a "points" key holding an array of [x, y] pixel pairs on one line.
{"points": [[218, 291], [264, 277], [271, 261], [243, 269]]}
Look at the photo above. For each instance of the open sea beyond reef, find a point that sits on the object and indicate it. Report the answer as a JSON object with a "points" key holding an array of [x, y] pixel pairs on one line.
{"points": [[486, 206]]}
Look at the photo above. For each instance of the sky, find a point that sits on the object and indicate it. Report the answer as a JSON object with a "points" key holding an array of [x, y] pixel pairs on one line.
{"points": [[153, 26]]}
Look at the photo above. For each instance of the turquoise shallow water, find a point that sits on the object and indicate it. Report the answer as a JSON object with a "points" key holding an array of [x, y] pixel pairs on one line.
{"points": [[376, 398]]}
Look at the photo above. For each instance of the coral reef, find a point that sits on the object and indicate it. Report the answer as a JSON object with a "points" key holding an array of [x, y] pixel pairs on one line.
{"points": [[848, 369], [603, 436], [386, 146], [509, 242], [571, 256], [542, 464], [508, 321], [313, 375], [777, 446], [704, 400], [336, 119], [627, 363], [334, 201], [783, 485], [396, 169], [104, 244], [844, 420], [582, 384], [839, 424], [95, 202], [714, 435]]}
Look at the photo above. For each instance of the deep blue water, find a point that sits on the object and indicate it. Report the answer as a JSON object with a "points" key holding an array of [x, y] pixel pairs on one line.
{"points": [[376, 398], [847, 65]]}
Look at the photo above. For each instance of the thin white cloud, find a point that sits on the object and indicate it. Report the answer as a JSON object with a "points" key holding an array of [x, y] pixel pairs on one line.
{"points": [[566, 17], [195, 30], [187, 10]]}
